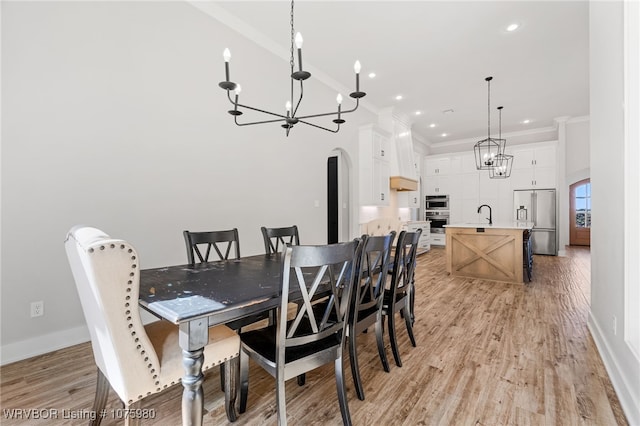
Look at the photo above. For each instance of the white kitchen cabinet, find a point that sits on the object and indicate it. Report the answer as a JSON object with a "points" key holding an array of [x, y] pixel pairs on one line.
{"points": [[413, 197], [437, 166], [534, 168], [374, 166], [438, 239], [437, 185], [424, 244], [462, 163], [410, 199]]}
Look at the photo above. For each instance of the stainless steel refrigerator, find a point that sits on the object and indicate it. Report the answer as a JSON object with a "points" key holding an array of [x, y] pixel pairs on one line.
{"points": [[539, 206]]}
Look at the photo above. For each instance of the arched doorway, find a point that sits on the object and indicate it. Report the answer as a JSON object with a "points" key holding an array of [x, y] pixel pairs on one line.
{"points": [[338, 196], [580, 213]]}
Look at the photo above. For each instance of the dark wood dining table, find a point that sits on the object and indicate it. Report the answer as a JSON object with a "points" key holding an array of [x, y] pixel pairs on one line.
{"points": [[196, 297]]}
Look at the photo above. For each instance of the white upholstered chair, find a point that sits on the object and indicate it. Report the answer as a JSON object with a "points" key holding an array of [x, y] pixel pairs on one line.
{"points": [[136, 360]]}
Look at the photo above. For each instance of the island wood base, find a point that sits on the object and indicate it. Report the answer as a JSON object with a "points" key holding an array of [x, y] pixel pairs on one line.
{"points": [[489, 253]]}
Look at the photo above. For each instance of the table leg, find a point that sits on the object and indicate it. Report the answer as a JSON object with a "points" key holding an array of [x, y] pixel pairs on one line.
{"points": [[194, 335]]}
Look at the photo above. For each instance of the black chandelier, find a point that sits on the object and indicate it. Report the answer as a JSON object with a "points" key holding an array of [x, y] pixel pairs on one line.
{"points": [[489, 151], [290, 118], [504, 162]]}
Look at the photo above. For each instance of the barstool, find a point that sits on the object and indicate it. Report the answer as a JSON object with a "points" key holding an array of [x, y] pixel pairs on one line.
{"points": [[527, 253]]}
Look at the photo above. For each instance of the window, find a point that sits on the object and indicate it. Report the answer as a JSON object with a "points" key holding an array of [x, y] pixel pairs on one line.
{"points": [[583, 206]]}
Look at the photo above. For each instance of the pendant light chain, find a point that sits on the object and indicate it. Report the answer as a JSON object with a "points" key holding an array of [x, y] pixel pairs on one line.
{"points": [[291, 62], [500, 123], [489, 106], [488, 152]]}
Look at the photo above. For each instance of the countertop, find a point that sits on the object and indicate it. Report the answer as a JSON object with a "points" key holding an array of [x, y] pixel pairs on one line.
{"points": [[498, 225]]}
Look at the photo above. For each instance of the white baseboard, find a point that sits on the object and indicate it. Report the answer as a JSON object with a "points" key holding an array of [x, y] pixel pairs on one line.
{"points": [[24, 349], [620, 383]]}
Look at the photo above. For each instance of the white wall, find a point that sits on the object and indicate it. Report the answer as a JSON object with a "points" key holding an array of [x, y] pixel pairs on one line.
{"points": [[112, 117], [578, 152], [607, 183]]}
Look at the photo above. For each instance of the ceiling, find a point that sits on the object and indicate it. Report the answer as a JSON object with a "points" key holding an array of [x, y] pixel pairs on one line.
{"points": [[438, 54]]}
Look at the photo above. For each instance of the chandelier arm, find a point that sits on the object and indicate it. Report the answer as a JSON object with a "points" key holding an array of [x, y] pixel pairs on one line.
{"points": [[320, 127], [239, 105], [282, 117], [331, 113], [256, 122], [299, 99]]}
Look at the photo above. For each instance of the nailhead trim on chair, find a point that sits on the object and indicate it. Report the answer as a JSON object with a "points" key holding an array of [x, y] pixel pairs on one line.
{"points": [[130, 325], [136, 340]]}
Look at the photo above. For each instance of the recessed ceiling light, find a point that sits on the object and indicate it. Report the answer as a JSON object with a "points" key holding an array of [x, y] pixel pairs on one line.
{"points": [[432, 125], [399, 97], [512, 27], [418, 112], [526, 121], [372, 75], [444, 135]]}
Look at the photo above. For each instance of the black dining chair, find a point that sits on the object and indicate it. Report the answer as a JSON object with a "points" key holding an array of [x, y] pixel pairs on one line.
{"points": [[276, 239], [220, 241], [219, 245], [399, 297], [527, 253], [367, 300], [315, 336]]}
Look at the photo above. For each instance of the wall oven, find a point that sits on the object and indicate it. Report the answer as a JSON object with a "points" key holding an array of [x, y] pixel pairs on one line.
{"points": [[438, 219], [436, 202]]}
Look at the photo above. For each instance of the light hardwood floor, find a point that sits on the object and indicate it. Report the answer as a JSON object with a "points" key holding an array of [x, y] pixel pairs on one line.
{"points": [[489, 353]]}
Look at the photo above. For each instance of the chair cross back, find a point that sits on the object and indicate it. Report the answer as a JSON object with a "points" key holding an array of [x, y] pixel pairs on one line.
{"points": [[276, 239], [220, 241], [309, 325], [315, 337], [405, 263], [368, 298], [372, 270], [401, 296]]}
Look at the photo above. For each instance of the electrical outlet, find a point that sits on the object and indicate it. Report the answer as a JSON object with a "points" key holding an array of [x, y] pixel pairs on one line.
{"points": [[37, 309], [615, 325]]}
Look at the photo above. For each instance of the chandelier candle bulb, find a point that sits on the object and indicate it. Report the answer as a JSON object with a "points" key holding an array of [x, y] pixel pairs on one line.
{"points": [[356, 68], [227, 84], [299, 41], [339, 120], [227, 56]]}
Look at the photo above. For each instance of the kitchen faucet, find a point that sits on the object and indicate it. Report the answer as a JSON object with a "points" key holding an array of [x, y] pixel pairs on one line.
{"points": [[487, 205]]}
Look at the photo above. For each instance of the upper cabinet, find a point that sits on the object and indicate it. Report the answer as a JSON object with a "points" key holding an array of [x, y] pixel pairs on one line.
{"points": [[455, 174], [437, 166], [413, 197], [437, 185], [534, 167], [374, 166]]}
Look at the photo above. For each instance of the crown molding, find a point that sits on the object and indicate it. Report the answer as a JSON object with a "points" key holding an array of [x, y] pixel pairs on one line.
{"points": [[468, 141], [233, 22]]}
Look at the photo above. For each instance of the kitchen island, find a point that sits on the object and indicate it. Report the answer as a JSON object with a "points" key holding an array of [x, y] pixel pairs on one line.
{"points": [[481, 250]]}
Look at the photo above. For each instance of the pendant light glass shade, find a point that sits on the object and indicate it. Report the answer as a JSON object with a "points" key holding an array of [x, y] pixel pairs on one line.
{"points": [[488, 152], [504, 162], [502, 169]]}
